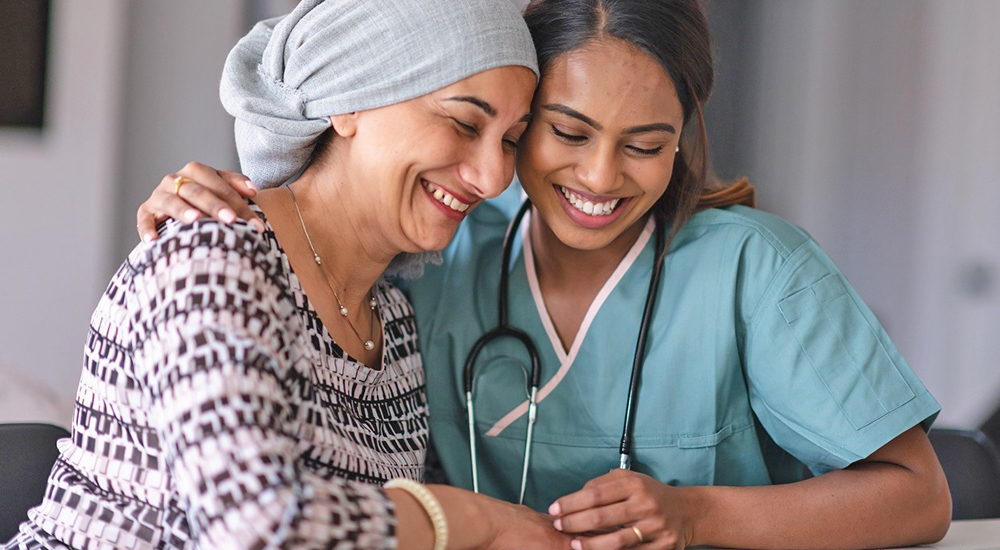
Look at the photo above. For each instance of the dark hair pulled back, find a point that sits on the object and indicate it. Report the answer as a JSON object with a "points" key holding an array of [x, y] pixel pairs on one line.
{"points": [[675, 34]]}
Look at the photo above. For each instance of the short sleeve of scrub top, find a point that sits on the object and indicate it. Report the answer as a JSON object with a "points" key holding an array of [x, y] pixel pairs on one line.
{"points": [[761, 360], [825, 381]]}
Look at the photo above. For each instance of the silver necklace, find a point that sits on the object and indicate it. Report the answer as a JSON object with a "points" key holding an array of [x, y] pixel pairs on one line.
{"points": [[369, 343]]}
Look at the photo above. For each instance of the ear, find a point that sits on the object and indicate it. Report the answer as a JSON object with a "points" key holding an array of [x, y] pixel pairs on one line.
{"points": [[345, 125]]}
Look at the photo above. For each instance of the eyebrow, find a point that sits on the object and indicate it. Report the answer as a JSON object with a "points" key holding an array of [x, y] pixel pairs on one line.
{"points": [[573, 113], [475, 101], [656, 127]]}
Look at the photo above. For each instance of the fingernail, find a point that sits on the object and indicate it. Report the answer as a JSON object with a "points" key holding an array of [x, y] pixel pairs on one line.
{"points": [[557, 524], [555, 509], [227, 215], [250, 185], [148, 238], [575, 544], [258, 225], [190, 215]]}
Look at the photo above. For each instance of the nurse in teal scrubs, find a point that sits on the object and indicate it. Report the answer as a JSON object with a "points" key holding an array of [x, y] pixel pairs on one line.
{"points": [[762, 360]]}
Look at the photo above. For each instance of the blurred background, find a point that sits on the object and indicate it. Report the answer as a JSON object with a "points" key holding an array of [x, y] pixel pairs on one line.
{"points": [[875, 125]]}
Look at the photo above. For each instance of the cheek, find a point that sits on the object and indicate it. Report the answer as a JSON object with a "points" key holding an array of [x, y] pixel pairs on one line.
{"points": [[540, 157], [509, 167], [653, 178]]}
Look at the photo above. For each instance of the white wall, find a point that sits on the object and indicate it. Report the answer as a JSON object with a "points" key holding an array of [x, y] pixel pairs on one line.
{"points": [[172, 109], [134, 96], [956, 259], [58, 196]]}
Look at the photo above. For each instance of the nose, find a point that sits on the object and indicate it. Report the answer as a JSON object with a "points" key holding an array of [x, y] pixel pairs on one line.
{"points": [[598, 170], [489, 173]]}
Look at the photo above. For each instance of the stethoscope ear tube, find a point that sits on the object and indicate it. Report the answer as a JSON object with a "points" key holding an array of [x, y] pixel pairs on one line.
{"points": [[625, 449], [504, 330], [467, 380]]}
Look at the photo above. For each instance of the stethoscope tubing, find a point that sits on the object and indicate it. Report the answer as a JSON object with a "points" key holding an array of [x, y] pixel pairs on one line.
{"points": [[505, 330], [639, 359]]}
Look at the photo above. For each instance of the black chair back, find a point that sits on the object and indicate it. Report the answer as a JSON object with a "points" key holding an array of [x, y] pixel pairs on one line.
{"points": [[971, 463], [992, 426], [27, 453]]}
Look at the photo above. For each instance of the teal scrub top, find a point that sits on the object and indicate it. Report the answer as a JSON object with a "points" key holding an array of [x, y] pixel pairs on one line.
{"points": [[761, 359]]}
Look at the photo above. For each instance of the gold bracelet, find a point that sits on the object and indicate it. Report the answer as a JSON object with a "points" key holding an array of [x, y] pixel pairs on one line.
{"points": [[430, 504]]}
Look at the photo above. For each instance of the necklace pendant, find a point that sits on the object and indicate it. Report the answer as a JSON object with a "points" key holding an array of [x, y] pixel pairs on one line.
{"points": [[343, 311], [316, 257], [369, 345]]}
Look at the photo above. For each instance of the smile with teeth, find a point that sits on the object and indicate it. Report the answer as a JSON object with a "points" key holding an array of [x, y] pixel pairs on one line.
{"points": [[589, 207], [444, 197]]}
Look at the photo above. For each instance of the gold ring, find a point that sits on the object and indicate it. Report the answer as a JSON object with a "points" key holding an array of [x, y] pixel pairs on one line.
{"points": [[178, 182], [638, 535]]}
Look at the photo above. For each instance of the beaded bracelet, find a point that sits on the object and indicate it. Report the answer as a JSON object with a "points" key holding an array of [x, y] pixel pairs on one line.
{"points": [[430, 504]]}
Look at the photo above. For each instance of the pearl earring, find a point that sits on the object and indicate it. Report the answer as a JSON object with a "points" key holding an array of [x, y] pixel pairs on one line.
{"points": [[677, 150]]}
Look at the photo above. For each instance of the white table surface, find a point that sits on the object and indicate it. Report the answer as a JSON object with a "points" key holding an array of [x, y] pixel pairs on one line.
{"points": [[973, 534], [976, 534]]}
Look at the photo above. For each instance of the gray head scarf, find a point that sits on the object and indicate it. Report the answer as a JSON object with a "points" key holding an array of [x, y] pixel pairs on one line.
{"points": [[284, 79]]}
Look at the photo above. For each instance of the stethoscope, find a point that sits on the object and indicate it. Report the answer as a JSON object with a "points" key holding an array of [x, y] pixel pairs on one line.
{"points": [[505, 330]]}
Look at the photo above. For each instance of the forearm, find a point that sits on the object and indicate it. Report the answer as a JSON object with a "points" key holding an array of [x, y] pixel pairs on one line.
{"points": [[869, 505]]}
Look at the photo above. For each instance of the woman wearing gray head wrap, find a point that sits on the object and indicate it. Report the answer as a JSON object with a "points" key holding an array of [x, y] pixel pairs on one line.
{"points": [[252, 388]]}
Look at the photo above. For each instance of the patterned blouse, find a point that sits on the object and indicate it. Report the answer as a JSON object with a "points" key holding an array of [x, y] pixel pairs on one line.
{"points": [[215, 411]]}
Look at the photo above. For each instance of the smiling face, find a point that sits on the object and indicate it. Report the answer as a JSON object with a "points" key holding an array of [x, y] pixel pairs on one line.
{"points": [[423, 164], [600, 149]]}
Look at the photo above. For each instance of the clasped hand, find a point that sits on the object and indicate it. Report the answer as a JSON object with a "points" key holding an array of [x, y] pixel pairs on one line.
{"points": [[624, 509]]}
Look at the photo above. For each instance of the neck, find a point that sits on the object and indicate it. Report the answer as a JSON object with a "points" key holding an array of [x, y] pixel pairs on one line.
{"points": [[562, 264], [343, 229]]}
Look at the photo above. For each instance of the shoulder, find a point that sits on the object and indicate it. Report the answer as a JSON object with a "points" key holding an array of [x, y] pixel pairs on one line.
{"points": [[198, 258], [208, 282], [756, 229], [751, 244], [206, 242], [762, 257]]}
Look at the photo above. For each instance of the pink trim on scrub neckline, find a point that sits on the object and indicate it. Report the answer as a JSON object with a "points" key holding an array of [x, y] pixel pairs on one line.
{"points": [[565, 359]]}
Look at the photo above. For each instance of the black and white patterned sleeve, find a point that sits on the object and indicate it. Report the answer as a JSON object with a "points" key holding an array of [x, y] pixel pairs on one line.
{"points": [[223, 380]]}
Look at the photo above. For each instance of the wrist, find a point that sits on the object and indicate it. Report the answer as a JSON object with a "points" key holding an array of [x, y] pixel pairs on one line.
{"points": [[471, 526], [431, 506], [697, 503]]}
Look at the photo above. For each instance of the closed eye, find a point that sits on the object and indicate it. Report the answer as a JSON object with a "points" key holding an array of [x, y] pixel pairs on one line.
{"points": [[466, 127], [572, 138], [645, 152]]}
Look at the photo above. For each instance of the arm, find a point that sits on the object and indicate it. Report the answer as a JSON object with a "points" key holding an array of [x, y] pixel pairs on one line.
{"points": [[828, 386], [217, 369], [898, 496]]}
